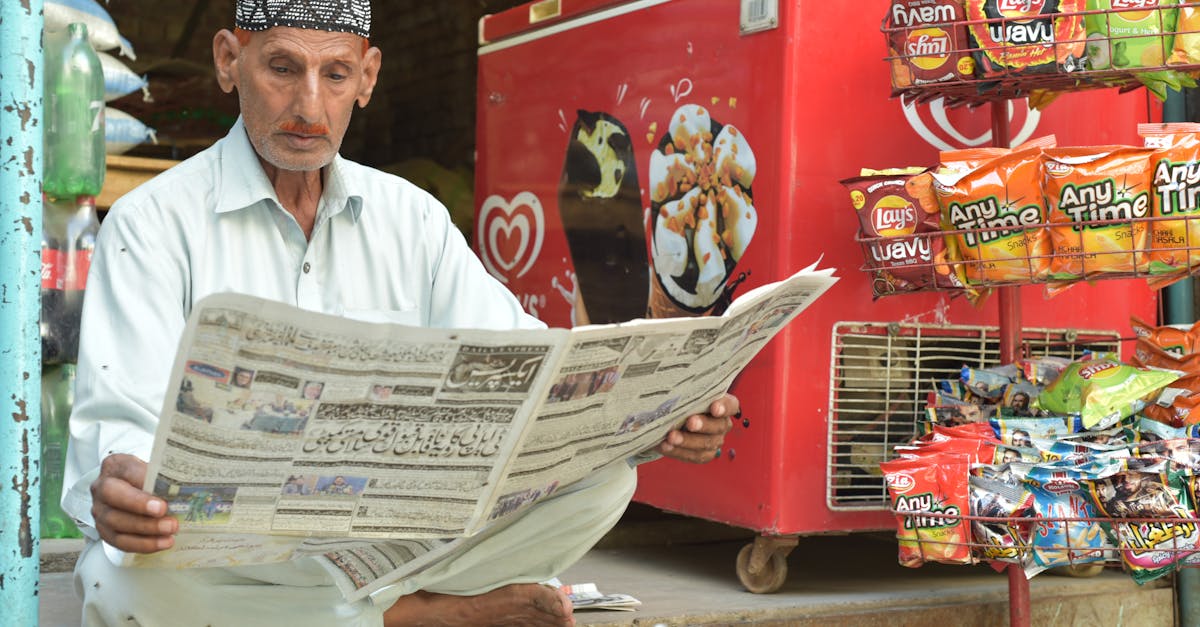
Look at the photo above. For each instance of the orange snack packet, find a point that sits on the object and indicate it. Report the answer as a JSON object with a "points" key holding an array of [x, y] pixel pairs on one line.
{"points": [[1092, 196], [1178, 404], [1175, 176], [1187, 37], [1175, 342], [994, 212], [1147, 355]]}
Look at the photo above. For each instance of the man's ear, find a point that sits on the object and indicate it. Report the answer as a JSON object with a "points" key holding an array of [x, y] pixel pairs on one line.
{"points": [[371, 62], [226, 50]]}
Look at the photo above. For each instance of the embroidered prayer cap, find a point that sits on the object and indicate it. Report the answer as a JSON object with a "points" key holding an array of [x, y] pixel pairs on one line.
{"points": [[343, 16]]}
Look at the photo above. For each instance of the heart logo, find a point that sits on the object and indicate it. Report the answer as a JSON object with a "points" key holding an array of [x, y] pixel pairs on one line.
{"points": [[509, 234], [958, 128]]}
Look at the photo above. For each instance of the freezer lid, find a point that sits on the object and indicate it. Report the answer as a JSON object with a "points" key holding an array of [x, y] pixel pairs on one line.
{"points": [[535, 16]]}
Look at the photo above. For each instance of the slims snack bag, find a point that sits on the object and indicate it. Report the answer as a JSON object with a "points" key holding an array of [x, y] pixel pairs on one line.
{"points": [[930, 496], [1175, 180], [1092, 194], [1026, 36], [907, 255], [929, 43], [997, 209]]}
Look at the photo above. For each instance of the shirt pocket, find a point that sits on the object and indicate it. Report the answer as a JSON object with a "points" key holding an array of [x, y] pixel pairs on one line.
{"points": [[409, 317]]}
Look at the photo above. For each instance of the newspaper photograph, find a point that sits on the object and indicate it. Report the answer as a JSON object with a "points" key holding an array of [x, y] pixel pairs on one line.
{"points": [[289, 433]]}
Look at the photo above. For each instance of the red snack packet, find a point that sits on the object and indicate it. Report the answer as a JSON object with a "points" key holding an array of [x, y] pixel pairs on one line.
{"points": [[930, 495], [904, 216], [927, 42]]}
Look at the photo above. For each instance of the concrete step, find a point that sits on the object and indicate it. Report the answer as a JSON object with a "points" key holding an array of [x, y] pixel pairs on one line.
{"points": [[838, 581]]}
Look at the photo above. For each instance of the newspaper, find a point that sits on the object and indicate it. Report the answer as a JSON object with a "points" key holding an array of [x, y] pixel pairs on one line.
{"points": [[380, 447], [587, 596]]}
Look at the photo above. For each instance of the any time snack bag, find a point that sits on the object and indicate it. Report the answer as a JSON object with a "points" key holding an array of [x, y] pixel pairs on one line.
{"points": [[930, 496], [929, 42], [1175, 168], [997, 207], [1092, 194], [1026, 36]]}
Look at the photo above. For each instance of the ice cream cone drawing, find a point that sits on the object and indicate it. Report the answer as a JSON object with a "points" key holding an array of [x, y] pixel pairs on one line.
{"points": [[702, 216]]}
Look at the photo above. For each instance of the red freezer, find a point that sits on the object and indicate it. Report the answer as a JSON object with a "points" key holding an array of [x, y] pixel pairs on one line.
{"points": [[659, 157]]}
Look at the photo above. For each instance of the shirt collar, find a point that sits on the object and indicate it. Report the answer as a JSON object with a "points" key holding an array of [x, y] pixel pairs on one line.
{"points": [[244, 183]]}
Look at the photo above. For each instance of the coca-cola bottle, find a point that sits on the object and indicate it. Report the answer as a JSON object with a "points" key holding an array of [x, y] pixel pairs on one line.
{"points": [[74, 116], [80, 242], [54, 230]]}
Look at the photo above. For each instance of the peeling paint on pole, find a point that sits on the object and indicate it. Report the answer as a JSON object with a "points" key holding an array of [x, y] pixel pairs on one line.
{"points": [[20, 277]]}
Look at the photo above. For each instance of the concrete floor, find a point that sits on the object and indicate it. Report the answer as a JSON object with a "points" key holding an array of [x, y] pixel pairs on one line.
{"points": [[833, 581]]}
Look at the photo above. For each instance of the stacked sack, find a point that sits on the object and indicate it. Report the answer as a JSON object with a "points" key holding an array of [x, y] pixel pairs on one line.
{"points": [[1050, 463], [122, 131], [939, 41], [1040, 213]]}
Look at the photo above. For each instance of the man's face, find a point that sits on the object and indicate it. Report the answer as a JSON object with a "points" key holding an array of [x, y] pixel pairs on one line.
{"points": [[297, 88], [243, 378]]}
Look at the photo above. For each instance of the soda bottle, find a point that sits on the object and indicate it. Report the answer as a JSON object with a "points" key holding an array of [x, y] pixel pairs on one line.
{"points": [[80, 242], [58, 397], [74, 116], [54, 259]]}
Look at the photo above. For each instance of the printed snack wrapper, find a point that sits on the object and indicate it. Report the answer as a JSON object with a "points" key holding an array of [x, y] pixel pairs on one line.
{"points": [[1146, 430], [901, 216], [1092, 194], [994, 497], [930, 495], [928, 42], [1102, 390], [1178, 404], [1175, 183], [1186, 48], [1147, 354], [1017, 37], [1057, 494], [1140, 37], [1149, 549], [1176, 342], [994, 212]]}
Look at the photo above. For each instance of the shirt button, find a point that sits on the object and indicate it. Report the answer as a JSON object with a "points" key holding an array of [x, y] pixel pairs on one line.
{"points": [[307, 267]]}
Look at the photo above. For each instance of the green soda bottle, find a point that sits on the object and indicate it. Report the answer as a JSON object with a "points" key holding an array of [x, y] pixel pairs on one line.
{"points": [[58, 397], [74, 116]]}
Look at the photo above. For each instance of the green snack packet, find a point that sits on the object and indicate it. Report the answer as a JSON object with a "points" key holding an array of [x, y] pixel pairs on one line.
{"points": [[1125, 38], [1102, 391]]}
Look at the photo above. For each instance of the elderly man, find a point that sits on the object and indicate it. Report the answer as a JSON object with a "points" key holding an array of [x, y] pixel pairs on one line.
{"points": [[327, 235]]}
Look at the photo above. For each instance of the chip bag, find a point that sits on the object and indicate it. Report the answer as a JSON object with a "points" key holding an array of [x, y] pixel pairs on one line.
{"points": [[901, 227], [927, 42], [1174, 341], [1092, 194], [1013, 37], [1058, 495], [1127, 34], [1000, 540], [1178, 404], [930, 495], [1102, 390], [1186, 50], [994, 213], [1149, 549], [1175, 181]]}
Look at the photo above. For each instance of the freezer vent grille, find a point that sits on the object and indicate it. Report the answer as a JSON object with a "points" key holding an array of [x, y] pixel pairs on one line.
{"points": [[881, 373]]}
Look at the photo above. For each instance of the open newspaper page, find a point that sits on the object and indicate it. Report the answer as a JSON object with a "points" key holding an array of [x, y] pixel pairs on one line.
{"points": [[287, 422], [619, 389], [384, 448]]}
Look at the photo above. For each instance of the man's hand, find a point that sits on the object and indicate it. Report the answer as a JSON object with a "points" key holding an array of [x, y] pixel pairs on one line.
{"points": [[126, 517], [700, 438]]}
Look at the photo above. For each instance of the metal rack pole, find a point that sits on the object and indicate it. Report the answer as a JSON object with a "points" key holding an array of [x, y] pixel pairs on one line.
{"points": [[1010, 350]]}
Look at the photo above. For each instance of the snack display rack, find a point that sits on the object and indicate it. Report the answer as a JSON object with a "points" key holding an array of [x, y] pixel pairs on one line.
{"points": [[995, 91]]}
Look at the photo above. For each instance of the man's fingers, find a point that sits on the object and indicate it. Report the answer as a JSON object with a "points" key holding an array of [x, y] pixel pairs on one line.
{"points": [[128, 468], [118, 494], [123, 522], [725, 407], [131, 543], [703, 423]]}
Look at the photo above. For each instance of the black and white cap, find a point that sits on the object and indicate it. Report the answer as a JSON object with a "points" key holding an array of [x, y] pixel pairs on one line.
{"points": [[342, 16]]}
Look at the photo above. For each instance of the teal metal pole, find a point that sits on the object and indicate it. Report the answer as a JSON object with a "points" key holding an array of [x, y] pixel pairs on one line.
{"points": [[20, 280], [1178, 309]]}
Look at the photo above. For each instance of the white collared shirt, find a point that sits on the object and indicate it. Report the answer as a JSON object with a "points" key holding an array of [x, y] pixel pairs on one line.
{"points": [[381, 249]]}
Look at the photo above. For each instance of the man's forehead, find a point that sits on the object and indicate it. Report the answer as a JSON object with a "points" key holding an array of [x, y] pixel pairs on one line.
{"points": [[339, 16], [287, 38]]}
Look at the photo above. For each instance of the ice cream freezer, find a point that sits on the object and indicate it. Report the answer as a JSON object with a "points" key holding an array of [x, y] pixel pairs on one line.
{"points": [[660, 157]]}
